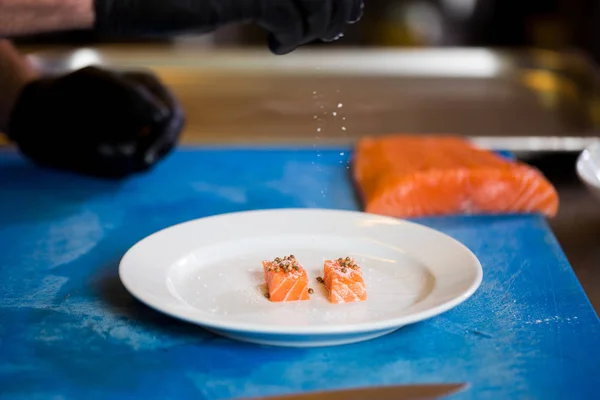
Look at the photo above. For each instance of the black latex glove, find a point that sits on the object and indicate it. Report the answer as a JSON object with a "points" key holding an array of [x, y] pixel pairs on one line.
{"points": [[96, 122], [290, 23]]}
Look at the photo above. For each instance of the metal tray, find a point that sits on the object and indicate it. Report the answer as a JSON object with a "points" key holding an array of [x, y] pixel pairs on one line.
{"points": [[524, 101]]}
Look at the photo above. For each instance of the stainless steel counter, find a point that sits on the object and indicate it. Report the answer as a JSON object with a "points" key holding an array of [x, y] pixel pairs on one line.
{"points": [[521, 101]]}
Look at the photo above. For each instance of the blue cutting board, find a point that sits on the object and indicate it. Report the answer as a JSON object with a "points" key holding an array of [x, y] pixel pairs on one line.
{"points": [[69, 330]]}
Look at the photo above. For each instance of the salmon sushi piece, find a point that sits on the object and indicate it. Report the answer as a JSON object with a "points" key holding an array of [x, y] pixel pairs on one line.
{"points": [[344, 281], [414, 176], [286, 279]]}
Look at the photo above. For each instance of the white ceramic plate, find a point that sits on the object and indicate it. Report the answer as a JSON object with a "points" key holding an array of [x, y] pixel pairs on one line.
{"points": [[208, 272], [588, 168]]}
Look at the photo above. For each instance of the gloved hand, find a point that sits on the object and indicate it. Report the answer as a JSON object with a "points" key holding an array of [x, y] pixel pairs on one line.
{"points": [[96, 122], [290, 23]]}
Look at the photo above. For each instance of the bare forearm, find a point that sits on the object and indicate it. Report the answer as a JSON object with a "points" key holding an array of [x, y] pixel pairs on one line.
{"points": [[15, 73], [26, 17]]}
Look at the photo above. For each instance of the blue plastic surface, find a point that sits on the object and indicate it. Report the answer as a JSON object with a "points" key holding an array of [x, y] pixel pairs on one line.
{"points": [[69, 330]]}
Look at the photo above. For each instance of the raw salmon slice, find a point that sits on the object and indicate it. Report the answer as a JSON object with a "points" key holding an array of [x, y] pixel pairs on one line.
{"points": [[286, 279], [413, 176], [344, 281]]}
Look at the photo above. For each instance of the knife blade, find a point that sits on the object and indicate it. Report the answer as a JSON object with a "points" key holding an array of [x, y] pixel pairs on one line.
{"points": [[402, 392]]}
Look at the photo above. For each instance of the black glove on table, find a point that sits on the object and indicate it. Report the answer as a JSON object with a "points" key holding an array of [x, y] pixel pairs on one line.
{"points": [[290, 23], [96, 122]]}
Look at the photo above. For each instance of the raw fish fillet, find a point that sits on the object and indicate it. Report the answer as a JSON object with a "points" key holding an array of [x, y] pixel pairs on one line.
{"points": [[413, 176], [344, 281], [286, 279]]}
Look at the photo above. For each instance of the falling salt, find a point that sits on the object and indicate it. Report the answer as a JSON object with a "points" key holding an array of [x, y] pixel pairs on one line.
{"points": [[318, 129], [334, 113], [343, 128], [343, 118], [314, 92], [340, 105], [342, 153], [315, 117]]}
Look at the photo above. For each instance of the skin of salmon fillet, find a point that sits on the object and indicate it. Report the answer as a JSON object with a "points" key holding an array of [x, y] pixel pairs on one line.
{"points": [[286, 280], [413, 176], [344, 281]]}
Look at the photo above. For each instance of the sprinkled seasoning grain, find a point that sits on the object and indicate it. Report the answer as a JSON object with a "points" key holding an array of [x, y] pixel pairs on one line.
{"points": [[267, 295], [286, 264], [344, 270], [310, 291], [320, 280]]}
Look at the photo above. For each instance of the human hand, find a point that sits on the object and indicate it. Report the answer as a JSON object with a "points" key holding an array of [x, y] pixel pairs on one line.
{"points": [[290, 23], [96, 122]]}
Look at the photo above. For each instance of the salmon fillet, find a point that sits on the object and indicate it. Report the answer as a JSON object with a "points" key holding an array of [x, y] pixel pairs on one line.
{"points": [[413, 176], [286, 279], [344, 281]]}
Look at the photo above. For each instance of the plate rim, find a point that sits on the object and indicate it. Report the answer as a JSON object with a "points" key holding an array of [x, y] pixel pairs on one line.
{"points": [[324, 330]]}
